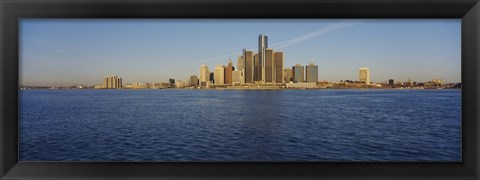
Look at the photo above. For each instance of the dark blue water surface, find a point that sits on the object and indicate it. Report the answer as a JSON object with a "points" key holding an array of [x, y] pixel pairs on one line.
{"points": [[240, 125]]}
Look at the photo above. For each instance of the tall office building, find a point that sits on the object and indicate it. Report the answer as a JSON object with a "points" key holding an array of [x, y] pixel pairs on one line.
{"points": [[262, 46], [204, 74], [364, 75], [298, 74], [278, 67], [311, 73], [268, 65], [257, 68], [248, 58], [193, 80], [112, 82], [219, 74], [172, 82], [228, 72], [287, 74], [240, 64]]}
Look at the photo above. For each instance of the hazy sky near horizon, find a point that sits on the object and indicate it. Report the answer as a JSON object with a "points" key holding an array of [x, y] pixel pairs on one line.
{"points": [[64, 52]]}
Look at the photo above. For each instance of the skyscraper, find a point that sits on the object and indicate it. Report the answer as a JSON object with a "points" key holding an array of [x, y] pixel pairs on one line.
{"points": [[268, 65], [278, 67], [311, 73], [228, 72], [257, 68], [248, 58], [287, 74], [240, 64], [219, 74], [262, 46], [112, 82], [298, 74], [204, 74], [364, 75]]}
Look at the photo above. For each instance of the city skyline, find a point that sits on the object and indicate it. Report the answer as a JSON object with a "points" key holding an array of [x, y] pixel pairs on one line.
{"points": [[434, 54]]}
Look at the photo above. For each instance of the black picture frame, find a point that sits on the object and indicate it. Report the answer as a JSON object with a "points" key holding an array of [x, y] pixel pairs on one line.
{"points": [[466, 10]]}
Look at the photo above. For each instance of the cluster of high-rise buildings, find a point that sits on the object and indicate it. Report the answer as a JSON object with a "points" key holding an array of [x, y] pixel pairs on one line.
{"points": [[265, 66], [112, 82]]}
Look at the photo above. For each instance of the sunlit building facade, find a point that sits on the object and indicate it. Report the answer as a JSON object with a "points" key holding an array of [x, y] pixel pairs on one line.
{"points": [[311, 73], [278, 67], [219, 74], [204, 75], [262, 46], [249, 66], [298, 73], [268, 67], [112, 82], [364, 75], [228, 72]]}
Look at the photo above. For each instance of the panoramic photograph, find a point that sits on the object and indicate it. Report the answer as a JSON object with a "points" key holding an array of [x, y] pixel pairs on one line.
{"points": [[240, 90]]}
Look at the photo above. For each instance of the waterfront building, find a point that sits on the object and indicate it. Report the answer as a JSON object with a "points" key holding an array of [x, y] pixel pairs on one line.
{"points": [[219, 74], [172, 82], [278, 67], [228, 72], [262, 46], [311, 73], [204, 74], [391, 82], [364, 75], [268, 66], [249, 66], [298, 74], [257, 68], [193, 80], [240, 64], [237, 77], [112, 82], [287, 74]]}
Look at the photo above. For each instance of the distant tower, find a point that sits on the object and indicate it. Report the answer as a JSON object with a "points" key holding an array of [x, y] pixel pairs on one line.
{"points": [[219, 74], [248, 58], [257, 70], [204, 75], [298, 74], [112, 82], [311, 73], [268, 70], [228, 72], [240, 64], [278, 67], [364, 75], [262, 46]]}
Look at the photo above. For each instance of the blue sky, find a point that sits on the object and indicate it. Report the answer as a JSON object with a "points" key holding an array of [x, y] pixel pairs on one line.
{"points": [[67, 52]]}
